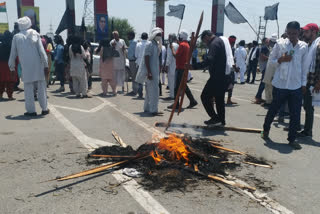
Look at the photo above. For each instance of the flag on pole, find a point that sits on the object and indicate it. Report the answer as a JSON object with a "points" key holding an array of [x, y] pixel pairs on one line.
{"points": [[271, 12], [233, 14], [3, 7], [176, 11], [66, 22]]}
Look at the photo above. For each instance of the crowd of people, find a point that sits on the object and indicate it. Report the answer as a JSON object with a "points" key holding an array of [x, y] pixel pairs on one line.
{"points": [[290, 68]]}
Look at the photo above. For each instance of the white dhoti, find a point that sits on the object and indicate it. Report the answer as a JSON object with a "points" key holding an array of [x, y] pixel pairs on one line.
{"points": [[243, 69], [29, 88], [268, 93], [152, 96], [172, 79], [120, 77], [80, 84]]}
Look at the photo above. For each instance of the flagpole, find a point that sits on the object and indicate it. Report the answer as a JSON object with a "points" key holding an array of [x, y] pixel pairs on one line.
{"points": [[278, 29], [179, 27], [253, 29]]}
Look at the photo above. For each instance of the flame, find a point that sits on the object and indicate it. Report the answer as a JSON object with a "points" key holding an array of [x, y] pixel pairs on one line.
{"points": [[176, 147]]}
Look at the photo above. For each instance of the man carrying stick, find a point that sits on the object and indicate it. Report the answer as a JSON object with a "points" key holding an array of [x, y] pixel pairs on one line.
{"points": [[217, 83], [181, 56]]}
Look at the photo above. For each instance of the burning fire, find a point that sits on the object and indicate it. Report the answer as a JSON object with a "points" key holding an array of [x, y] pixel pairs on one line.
{"points": [[176, 148]]}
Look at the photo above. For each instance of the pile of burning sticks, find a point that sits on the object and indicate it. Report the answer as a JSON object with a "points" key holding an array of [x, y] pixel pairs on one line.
{"points": [[199, 157]]}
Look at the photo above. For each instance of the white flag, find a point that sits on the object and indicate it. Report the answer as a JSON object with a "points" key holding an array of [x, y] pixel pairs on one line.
{"points": [[176, 11]]}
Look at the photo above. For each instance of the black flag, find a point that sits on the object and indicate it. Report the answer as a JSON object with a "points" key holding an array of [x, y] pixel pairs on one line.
{"points": [[66, 22], [233, 14], [271, 12], [176, 11]]}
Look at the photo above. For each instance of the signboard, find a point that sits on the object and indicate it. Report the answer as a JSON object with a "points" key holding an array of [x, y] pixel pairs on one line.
{"points": [[4, 27], [33, 14], [101, 26], [100, 6]]}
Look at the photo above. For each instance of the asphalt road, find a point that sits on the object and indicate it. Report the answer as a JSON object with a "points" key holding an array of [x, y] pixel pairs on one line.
{"points": [[42, 148]]}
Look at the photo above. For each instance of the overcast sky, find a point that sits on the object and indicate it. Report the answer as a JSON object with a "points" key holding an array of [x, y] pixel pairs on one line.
{"points": [[139, 14]]}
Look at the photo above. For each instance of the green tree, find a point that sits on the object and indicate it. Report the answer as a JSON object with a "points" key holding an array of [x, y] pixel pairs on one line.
{"points": [[121, 25]]}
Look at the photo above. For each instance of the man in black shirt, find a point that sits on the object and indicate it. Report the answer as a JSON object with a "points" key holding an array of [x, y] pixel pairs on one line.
{"points": [[217, 84], [253, 62]]}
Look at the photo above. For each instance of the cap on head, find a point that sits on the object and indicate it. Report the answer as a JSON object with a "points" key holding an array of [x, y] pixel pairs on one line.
{"points": [[274, 37], [183, 35], [311, 26]]}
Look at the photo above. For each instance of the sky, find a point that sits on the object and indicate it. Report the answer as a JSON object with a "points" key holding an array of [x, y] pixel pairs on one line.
{"points": [[139, 14]]}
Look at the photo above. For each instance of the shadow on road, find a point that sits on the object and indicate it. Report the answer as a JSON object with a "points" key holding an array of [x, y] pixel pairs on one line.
{"points": [[280, 147], [22, 117]]}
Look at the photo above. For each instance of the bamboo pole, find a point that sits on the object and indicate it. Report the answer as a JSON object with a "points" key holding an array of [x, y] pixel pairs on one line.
{"points": [[228, 150]]}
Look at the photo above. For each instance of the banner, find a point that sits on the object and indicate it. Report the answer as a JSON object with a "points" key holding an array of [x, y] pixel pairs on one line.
{"points": [[33, 14], [176, 11], [233, 14], [100, 6], [3, 7], [102, 26], [271, 12], [4, 27]]}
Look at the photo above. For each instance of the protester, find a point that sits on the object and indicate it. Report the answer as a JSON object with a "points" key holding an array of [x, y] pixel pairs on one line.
{"points": [[163, 65], [263, 60], [119, 63], [181, 56], [216, 86], [132, 62], [268, 75], [310, 35], [34, 63], [289, 81], [66, 59], [89, 62], [149, 71], [240, 56], [171, 64], [106, 71], [139, 54], [77, 68], [59, 62], [7, 80], [253, 62], [49, 49], [232, 41]]}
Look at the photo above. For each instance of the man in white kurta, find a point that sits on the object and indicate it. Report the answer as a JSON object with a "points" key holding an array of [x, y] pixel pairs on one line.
{"points": [[33, 59], [240, 56], [119, 63], [152, 66], [139, 54], [171, 64]]}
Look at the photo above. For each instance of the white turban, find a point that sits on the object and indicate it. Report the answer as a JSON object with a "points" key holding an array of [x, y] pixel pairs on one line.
{"points": [[274, 37], [154, 33], [183, 35], [24, 23]]}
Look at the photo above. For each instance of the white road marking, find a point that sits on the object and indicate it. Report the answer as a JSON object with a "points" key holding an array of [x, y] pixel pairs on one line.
{"points": [[131, 117], [93, 110], [134, 189]]}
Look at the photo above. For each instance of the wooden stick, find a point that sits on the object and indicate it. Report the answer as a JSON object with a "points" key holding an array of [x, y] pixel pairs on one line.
{"points": [[232, 183], [111, 156], [222, 180], [227, 162], [98, 169], [255, 164], [228, 150], [118, 139], [213, 128], [183, 83]]}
